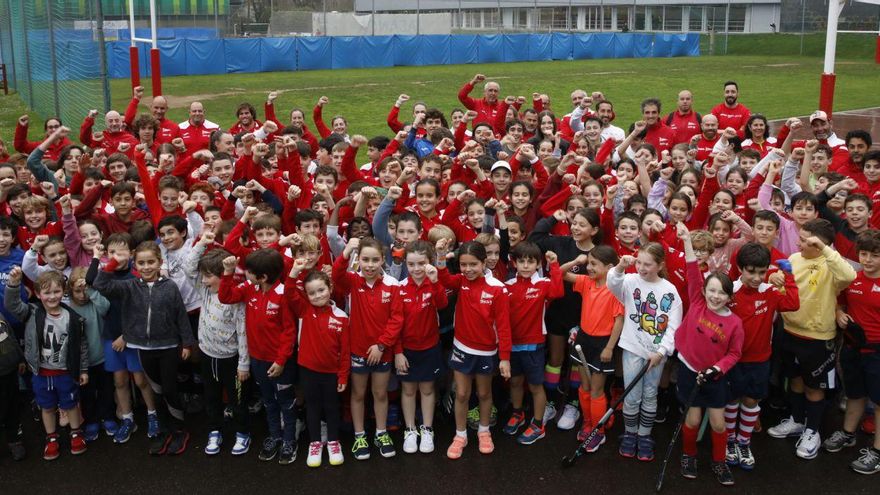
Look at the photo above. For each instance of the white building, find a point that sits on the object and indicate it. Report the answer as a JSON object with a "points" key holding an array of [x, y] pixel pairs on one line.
{"points": [[735, 16]]}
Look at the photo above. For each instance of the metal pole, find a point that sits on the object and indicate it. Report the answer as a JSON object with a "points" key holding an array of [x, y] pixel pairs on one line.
{"points": [[14, 77], [568, 17], [217, 17], [537, 16], [500, 19], [803, 22], [373, 18], [726, 27], [324, 9], [418, 12], [27, 55], [601, 15], [52, 57], [102, 55]]}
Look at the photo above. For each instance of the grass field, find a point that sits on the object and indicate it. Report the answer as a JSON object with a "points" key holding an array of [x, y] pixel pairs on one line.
{"points": [[778, 86]]}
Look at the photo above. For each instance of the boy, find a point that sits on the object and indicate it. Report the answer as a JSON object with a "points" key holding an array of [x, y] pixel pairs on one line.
{"points": [[57, 353], [808, 354], [858, 313], [122, 199], [12, 364], [271, 336], [765, 230], [857, 209], [756, 303], [10, 257]]}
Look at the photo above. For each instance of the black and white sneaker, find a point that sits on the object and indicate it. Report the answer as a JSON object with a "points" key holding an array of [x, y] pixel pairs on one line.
{"points": [[287, 454], [688, 467], [868, 463], [722, 473], [270, 449]]}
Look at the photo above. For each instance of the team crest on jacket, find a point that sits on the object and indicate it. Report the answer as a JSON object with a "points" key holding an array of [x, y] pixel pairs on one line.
{"points": [[486, 298], [334, 325], [386, 297]]}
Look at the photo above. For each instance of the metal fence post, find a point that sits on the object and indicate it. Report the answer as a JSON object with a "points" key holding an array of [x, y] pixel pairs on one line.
{"points": [[102, 54], [13, 78], [27, 54], [52, 58]]}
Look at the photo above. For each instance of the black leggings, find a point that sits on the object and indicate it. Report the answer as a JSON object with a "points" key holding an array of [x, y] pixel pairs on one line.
{"points": [[322, 399], [9, 405], [96, 398], [160, 367], [221, 375]]}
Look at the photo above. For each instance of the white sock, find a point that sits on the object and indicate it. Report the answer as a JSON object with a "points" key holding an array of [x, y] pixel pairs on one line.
{"points": [[128, 416], [461, 433], [149, 412], [482, 428]]}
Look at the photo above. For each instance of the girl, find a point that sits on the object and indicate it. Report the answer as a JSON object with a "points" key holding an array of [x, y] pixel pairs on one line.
{"points": [[53, 253], [709, 344], [653, 312], [475, 212], [375, 308], [482, 336], [600, 327], [721, 226], [79, 239], [156, 324], [418, 355], [324, 358]]}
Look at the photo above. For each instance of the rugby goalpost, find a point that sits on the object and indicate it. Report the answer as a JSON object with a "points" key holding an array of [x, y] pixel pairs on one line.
{"points": [[826, 91], [155, 68]]}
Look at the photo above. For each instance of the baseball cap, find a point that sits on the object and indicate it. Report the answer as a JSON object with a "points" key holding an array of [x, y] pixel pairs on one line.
{"points": [[500, 164], [819, 115]]}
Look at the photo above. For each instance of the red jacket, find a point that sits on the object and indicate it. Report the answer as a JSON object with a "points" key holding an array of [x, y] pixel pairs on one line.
{"points": [[111, 140], [22, 145], [168, 130], [486, 111], [684, 126], [270, 325], [861, 302], [323, 335], [735, 117], [660, 137], [196, 137], [418, 330], [482, 314], [528, 300], [757, 309], [705, 147], [237, 127]]}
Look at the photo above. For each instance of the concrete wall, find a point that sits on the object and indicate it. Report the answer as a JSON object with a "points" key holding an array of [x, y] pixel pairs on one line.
{"points": [[759, 18], [349, 24]]}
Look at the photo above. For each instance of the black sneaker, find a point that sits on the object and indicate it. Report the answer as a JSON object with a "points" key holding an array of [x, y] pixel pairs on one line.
{"points": [[159, 443], [688, 467], [722, 473], [385, 445], [361, 449], [270, 449], [287, 454], [178, 443]]}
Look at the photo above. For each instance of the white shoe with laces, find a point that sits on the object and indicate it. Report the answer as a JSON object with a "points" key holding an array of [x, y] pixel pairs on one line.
{"points": [[334, 451], [315, 451], [787, 428], [215, 439], [808, 444], [549, 413], [411, 441], [426, 445], [569, 417]]}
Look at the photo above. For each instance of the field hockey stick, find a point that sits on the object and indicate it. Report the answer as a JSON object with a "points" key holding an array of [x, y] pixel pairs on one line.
{"points": [[582, 448], [687, 406], [580, 352]]}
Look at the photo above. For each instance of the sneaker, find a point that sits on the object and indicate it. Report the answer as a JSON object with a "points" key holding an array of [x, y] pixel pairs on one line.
{"points": [[152, 425], [385, 445], [411, 441], [393, 418], [722, 473], [787, 428], [549, 413], [159, 443], [123, 433], [270, 449], [688, 467], [597, 441], [646, 448], [808, 444], [473, 418], [215, 439], [77, 442], [242, 444], [628, 442], [570, 415], [361, 448], [868, 463], [52, 450], [334, 452], [315, 451], [516, 421], [584, 432], [732, 457], [456, 447], [179, 441], [531, 435], [838, 440], [17, 450], [110, 427], [426, 442], [486, 444], [287, 454], [746, 458], [869, 425], [91, 432]]}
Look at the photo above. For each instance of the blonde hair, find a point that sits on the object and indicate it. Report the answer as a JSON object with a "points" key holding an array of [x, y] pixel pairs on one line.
{"points": [[702, 240], [309, 243], [77, 274], [438, 232]]}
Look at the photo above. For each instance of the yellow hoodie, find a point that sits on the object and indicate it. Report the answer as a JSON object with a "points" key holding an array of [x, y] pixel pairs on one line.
{"points": [[819, 281]]}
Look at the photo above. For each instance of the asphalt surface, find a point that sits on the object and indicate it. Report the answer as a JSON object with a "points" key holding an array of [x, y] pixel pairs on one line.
{"points": [[512, 469]]}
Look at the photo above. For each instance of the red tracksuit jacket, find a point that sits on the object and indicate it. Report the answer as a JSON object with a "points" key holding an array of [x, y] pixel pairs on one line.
{"points": [[271, 326], [482, 313], [757, 309], [323, 335], [418, 329], [528, 300]]}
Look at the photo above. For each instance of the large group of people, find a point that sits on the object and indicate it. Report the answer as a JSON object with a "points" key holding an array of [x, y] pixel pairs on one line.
{"points": [[501, 260]]}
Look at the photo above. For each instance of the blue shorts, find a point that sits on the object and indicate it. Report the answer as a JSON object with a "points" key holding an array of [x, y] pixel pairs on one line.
{"points": [[359, 365], [713, 394], [424, 366], [530, 364], [472, 364], [56, 391], [749, 380], [127, 360], [861, 374]]}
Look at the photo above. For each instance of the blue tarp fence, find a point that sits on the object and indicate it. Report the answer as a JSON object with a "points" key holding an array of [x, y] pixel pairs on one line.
{"points": [[193, 56]]}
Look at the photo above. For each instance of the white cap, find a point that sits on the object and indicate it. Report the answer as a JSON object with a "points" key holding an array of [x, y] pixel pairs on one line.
{"points": [[500, 164], [819, 115]]}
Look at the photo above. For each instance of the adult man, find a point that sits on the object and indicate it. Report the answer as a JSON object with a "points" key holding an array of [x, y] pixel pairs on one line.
{"points": [[168, 130], [708, 137], [822, 128], [486, 107], [730, 113], [605, 111], [684, 121], [658, 135], [246, 116], [113, 135], [196, 132]]}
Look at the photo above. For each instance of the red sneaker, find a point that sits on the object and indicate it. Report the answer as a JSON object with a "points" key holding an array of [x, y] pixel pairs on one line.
{"points": [[52, 450], [869, 425], [77, 442]]}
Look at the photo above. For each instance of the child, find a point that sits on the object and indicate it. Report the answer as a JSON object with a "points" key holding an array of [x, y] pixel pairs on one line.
{"points": [[375, 306], [12, 364], [859, 358], [155, 323], [808, 354], [482, 339], [324, 358], [53, 252], [223, 342], [271, 336], [653, 313], [56, 352], [709, 343], [529, 295], [600, 327]]}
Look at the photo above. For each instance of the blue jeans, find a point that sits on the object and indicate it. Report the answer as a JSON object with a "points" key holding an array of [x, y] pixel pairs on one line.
{"points": [[277, 395]]}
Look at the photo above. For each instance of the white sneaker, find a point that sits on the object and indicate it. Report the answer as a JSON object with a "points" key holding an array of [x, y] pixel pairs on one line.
{"points": [[569, 417], [214, 442], [549, 412], [323, 432], [808, 444], [334, 451], [315, 451], [410, 441], [426, 445], [787, 428]]}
